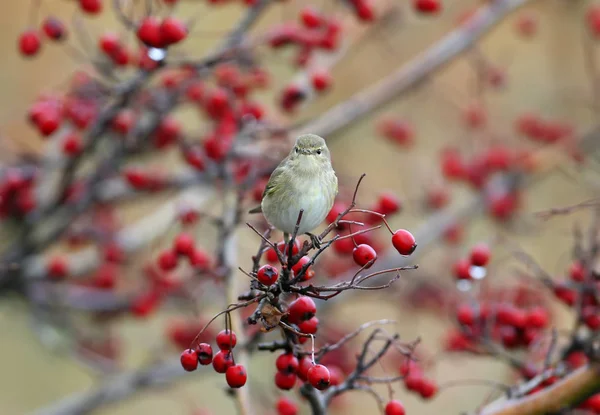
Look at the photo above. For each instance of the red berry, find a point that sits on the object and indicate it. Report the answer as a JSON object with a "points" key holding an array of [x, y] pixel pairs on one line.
{"points": [[304, 365], [565, 294], [172, 31], [29, 43], [364, 10], [465, 315], [184, 244], [319, 377], [72, 145], [428, 389], [222, 361], [394, 407], [427, 6], [591, 317], [302, 309], [537, 318], [453, 166], [236, 376], [205, 354], [388, 204], [364, 254], [287, 362], [284, 248], [226, 340], [91, 6], [526, 25], [285, 380], [299, 265], [593, 20], [593, 403], [57, 267], [199, 259], [400, 132], [105, 277], [404, 242], [337, 209], [189, 360], [267, 275], [321, 80], [577, 271], [480, 255], [311, 17], [123, 122], [54, 28], [286, 406], [309, 326], [414, 381], [109, 43], [167, 260], [149, 32]]}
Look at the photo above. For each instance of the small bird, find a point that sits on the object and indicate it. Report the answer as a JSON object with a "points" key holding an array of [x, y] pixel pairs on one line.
{"points": [[304, 180]]}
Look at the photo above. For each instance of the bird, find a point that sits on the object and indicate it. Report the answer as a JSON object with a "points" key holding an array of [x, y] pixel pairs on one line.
{"points": [[303, 181]]}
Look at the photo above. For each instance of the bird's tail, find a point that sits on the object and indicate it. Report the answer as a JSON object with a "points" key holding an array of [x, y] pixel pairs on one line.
{"points": [[257, 209]]}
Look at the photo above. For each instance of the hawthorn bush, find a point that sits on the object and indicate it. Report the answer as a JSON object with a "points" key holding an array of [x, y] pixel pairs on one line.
{"points": [[132, 207]]}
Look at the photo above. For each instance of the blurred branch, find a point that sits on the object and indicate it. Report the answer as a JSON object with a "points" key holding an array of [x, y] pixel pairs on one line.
{"points": [[570, 390]]}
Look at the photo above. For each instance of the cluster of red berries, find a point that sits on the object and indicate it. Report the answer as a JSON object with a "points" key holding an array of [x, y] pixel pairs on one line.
{"points": [[184, 245], [17, 195], [478, 257], [416, 381], [577, 290], [222, 361], [30, 41]]}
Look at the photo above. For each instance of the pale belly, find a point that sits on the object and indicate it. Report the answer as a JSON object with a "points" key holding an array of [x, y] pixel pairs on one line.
{"points": [[316, 201]]}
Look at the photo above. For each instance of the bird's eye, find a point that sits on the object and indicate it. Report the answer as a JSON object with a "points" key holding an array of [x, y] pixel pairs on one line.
{"points": [[318, 151], [297, 149]]}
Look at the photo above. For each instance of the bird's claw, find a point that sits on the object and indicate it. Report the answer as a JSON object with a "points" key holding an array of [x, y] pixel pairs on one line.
{"points": [[316, 241]]}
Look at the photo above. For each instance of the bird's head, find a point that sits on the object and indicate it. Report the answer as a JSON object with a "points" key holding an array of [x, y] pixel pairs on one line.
{"points": [[310, 145]]}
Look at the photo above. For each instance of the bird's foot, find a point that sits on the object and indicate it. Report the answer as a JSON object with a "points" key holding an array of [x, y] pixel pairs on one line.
{"points": [[316, 241]]}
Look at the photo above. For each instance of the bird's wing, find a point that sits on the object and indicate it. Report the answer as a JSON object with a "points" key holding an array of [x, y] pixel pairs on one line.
{"points": [[271, 185]]}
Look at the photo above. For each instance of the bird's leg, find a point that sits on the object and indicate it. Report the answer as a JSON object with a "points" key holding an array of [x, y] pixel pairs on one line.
{"points": [[316, 241]]}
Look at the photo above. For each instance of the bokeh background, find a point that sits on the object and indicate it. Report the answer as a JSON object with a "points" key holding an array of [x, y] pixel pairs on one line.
{"points": [[546, 74]]}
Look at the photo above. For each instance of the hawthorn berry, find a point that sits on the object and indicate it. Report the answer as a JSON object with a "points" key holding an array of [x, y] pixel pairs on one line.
{"points": [[427, 6], [167, 260], [285, 380], [222, 360], [537, 318], [311, 17], [297, 267], [267, 275], [72, 145], [319, 377], [388, 203], [428, 389], [577, 271], [302, 309], [465, 315], [236, 376], [404, 242], [226, 339], [285, 406], [480, 255], [287, 362], [205, 354], [29, 43], [321, 80], [172, 31], [184, 244], [57, 267], [394, 407], [364, 255], [54, 28], [149, 32], [189, 360], [309, 326], [91, 6], [304, 364]]}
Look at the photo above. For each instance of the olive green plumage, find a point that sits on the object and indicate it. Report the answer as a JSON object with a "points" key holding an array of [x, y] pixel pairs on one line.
{"points": [[304, 180]]}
